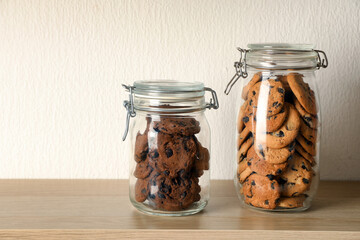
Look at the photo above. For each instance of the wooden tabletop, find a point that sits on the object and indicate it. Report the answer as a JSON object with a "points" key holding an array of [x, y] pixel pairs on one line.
{"points": [[100, 209]]}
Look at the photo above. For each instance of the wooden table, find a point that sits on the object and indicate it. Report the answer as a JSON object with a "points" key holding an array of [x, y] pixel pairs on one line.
{"points": [[100, 209]]}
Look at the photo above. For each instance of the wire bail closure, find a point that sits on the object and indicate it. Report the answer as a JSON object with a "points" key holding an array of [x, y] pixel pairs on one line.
{"points": [[240, 68], [129, 105], [214, 103], [322, 63]]}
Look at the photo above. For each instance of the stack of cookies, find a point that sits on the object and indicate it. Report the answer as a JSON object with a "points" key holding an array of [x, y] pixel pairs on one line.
{"points": [[277, 126], [169, 162]]}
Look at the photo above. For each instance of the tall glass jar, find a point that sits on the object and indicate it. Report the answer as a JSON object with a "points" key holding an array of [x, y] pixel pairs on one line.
{"points": [[278, 126], [170, 146]]}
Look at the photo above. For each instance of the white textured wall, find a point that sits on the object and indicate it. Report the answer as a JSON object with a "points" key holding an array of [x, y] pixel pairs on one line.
{"points": [[62, 64]]}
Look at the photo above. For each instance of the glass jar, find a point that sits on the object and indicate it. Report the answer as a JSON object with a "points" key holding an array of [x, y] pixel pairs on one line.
{"points": [[278, 126], [170, 146]]}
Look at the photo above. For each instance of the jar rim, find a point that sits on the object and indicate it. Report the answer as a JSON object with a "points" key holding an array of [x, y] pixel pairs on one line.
{"points": [[163, 86], [281, 56], [282, 46]]}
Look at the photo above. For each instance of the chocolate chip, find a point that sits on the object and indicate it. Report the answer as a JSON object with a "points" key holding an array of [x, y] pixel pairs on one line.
{"points": [[161, 195], [272, 185], [280, 134], [278, 172], [154, 154], [304, 167], [245, 119], [169, 152], [281, 90], [183, 195], [152, 196], [143, 155], [250, 102], [156, 129], [282, 181], [253, 183], [175, 181], [165, 188], [291, 147], [249, 163], [305, 180], [294, 169], [275, 103], [249, 196], [254, 93], [270, 176], [308, 119], [166, 172], [266, 202], [308, 142]]}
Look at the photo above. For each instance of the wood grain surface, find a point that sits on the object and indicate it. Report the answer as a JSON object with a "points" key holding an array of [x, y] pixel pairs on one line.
{"points": [[100, 209]]}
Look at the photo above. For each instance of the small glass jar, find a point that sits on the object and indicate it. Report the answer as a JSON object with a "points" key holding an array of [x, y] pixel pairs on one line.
{"points": [[170, 146], [278, 126]]}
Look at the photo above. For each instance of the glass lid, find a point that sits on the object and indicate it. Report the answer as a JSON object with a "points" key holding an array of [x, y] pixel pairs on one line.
{"points": [[168, 95], [168, 89]]}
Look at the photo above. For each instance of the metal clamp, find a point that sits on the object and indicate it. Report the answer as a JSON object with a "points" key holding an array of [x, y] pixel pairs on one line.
{"points": [[240, 68], [129, 105], [214, 103], [322, 62]]}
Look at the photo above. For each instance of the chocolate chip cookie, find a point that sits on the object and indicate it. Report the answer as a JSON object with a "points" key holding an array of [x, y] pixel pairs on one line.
{"points": [[245, 133], [286, 134], [292, 202], [141, 146], [262, 167], [172, 153], [297, 178], [173, 194], [143, 169], [310, 120], [266, 97], [309, 133], [244, 149], [305, 154], [241, 114], [182, 126], [256, 78], [304, 94], [141, 190], [275, 155], [268, 124], [309, 146], [260, 191], [202, 157]]}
